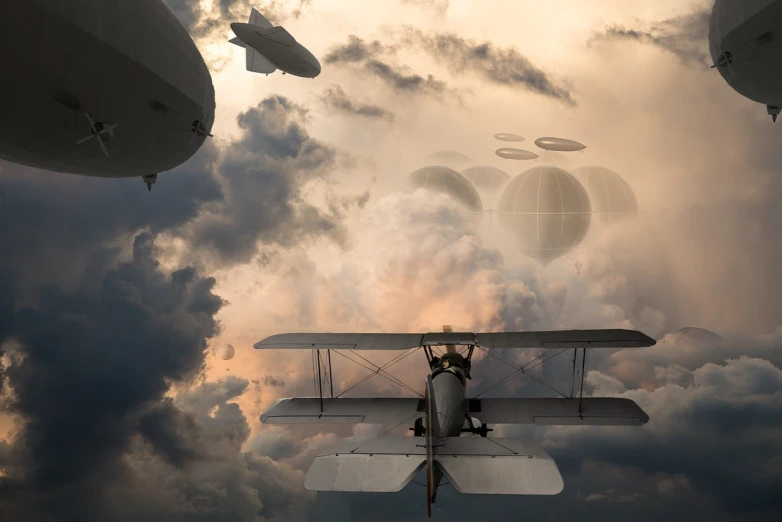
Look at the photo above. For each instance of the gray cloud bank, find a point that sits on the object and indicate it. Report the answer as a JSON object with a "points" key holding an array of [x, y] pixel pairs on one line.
{"points": [[685, 36], [336, 99], [497, 65], [373, 57]]}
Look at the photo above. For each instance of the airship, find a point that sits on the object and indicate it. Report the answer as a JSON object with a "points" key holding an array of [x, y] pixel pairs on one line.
{"points": [[515, 154], [559, 144], [507, 136], [745, 45], [269, 48], [109, 89]]}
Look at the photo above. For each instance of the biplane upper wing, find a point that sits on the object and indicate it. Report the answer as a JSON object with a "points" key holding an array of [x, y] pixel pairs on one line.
{"points": [[306, 410], [405, 341], [590, 411], [566, 339], [341, 341]]}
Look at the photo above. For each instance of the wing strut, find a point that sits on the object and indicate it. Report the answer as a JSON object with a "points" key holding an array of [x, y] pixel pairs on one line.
{"points": [[321, 370]]}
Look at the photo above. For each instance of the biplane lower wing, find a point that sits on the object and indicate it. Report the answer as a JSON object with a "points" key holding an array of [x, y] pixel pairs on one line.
{"points": [[590, 411], [405, 341], [307, 410]]}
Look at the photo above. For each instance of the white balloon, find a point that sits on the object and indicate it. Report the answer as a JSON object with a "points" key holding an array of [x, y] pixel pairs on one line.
{"points": [[225, 352]]}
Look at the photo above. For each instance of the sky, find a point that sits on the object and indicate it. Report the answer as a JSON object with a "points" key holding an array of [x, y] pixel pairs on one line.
{"points": [[296, 216]]}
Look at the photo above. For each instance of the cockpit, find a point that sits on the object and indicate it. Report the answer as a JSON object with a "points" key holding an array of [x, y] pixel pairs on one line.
{"points": [[451, 362]]}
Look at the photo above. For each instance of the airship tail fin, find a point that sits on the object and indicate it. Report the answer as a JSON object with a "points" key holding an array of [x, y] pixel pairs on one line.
{"points": [[258, 19], [256, 62], [237, 41]]}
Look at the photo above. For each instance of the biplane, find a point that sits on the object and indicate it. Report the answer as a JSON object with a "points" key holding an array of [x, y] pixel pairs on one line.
{"points": [[472, 464]]}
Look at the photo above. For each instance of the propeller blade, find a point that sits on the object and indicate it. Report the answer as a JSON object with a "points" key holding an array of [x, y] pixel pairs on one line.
{"points": [[102, 145], [86, 138], [92, 123]]}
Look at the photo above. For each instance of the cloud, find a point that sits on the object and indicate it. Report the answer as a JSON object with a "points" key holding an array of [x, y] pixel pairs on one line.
{"points": [[500, 66], [440, 6], [684, 36], [730, 407], [264, 173], [135, 327], [206, 21], [337, 100], [367, 55]]}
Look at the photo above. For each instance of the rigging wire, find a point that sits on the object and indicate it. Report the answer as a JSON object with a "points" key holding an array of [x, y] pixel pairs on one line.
{"points": [[521, 371], [377, 371], [384, 367]]}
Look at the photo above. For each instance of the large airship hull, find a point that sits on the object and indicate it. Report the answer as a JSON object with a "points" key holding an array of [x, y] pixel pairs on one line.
{"points": [[128, 63], [745, 43]]}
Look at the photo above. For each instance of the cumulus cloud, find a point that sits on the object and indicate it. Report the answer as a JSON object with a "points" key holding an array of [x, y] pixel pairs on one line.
{"points": [[134, 326], [338, 101], [684, 36], [264, 173], [730, 407], [500, 66]]}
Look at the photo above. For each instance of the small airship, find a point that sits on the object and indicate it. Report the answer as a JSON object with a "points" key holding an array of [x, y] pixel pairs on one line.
{"points": [[109, 89], [515, 154], [745, 43], [449, 420], [559, 144], [507, 136], [269, 48]]}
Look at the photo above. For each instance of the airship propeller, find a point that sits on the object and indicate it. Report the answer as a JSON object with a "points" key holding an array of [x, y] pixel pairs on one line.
{"points": [[98, 128]]}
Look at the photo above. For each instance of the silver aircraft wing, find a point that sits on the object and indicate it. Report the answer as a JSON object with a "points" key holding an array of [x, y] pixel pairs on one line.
{"points": [[341, 341], [311, 410], [566, 339], [404, 341], [590, 411]]}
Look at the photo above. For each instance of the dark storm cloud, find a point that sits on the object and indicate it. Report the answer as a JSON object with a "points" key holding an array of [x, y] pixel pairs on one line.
{"points": [[336, 99], [684, 36], [497, 65], [65, 221], [373, 56], [264, 173], [94, 362]]}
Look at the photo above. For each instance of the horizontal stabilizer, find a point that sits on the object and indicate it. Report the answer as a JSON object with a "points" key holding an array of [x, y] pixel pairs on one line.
{"points": [[499, 466], [591, 411], [382, 464], [238, 41], [256, 62], [307, 410], [472, 464], [259, 20], [397, 341]]}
